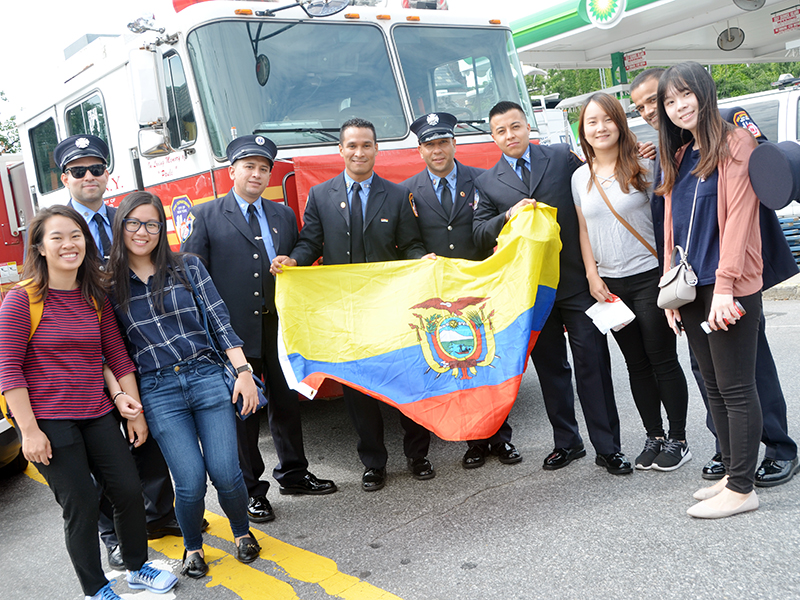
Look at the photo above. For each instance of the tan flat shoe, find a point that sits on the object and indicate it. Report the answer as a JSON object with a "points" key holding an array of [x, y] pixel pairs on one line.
{"points": [[702, 510]]}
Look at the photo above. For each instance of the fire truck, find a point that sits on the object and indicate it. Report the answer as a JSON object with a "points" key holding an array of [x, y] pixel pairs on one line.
{"points": [[168, 97]]}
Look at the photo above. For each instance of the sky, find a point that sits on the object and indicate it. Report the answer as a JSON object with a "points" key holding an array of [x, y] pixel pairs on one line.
{"points": [[35, 38]]}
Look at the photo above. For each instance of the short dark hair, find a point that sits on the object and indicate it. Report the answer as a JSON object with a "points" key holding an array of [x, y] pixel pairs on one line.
{"points": [[647, 75], [360, 124], [89, 276], [503, 107]]}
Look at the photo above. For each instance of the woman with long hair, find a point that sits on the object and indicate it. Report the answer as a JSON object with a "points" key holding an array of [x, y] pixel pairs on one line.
{"points": [[615, 186], [187, 402], [53, 383], [711, 207]]}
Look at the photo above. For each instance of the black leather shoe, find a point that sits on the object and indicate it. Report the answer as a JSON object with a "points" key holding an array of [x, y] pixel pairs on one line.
{"points": [[247, 549], [506, 453], [421, 468], [259, 510], [775, 472], [714, 469], [475, 457], [373, 480], [309, 485], [168, 528], [616, 463], [561, 457], [115, 558], [194, 565]]}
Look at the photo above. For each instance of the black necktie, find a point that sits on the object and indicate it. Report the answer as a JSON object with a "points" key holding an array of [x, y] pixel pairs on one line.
{"points": [[357, 253], [447, 198], [105, 251], [526, 174], [266, 282]]}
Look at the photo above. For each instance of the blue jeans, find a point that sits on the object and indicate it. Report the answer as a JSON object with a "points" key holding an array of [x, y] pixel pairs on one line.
{"points": [[189, 411]]}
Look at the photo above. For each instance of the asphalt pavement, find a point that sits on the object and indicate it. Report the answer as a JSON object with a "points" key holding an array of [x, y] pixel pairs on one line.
{"points": [[497, 532]]}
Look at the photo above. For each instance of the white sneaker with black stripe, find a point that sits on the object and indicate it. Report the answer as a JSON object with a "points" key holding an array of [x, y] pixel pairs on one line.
{"points": [[674, 453]]}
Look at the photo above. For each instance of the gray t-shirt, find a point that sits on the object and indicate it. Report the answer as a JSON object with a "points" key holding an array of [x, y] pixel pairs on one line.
{"points": [[617, 252]]}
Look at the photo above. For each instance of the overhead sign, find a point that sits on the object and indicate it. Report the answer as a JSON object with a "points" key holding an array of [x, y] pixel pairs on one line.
{"points": [[635, 59], [786, 20], [603, 14]]}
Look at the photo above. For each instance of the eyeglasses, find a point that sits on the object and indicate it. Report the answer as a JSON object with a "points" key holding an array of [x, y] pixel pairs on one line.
{"points": [[134, 225], [80, 172]]}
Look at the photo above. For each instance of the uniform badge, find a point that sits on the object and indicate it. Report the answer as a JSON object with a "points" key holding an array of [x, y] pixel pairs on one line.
{"points": [[259, 140], [743, 120], [82, 143], [475, 200], [182, 217], [275, 230], [433, 119], [462, 193], [455, 336], [413, 205]]}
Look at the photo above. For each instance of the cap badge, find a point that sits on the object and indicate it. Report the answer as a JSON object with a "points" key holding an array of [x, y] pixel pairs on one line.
{"points": [[82, 143], [259, 140], [433, 119]]}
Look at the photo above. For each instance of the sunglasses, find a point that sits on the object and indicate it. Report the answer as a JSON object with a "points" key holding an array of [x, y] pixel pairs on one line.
{"points": [[80, 172], [134, 225]]}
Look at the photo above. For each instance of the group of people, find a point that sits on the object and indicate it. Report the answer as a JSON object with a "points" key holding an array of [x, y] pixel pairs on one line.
{"points": [[97, 271]]}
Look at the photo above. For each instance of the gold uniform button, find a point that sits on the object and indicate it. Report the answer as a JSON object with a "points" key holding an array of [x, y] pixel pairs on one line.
{"points": [[449, 228]]}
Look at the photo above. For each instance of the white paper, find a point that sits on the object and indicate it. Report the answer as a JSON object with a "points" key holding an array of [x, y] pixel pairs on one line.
{"points": [[610, 315]]}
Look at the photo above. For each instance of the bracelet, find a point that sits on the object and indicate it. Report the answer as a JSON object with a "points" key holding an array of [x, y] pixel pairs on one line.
{"points": [[119, 393]]}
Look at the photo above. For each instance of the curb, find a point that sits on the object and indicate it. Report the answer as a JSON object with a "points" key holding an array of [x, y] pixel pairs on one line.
{"points": [[786, 290]]}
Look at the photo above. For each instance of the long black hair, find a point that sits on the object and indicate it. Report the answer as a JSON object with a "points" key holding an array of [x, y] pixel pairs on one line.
{"points": [[165, 261], [712, 130], [88, 276]]}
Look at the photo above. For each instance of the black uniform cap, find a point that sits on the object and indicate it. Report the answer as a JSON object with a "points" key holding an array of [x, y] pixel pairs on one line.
{"points": [[252, 145], [80, 146], [434, 126]]}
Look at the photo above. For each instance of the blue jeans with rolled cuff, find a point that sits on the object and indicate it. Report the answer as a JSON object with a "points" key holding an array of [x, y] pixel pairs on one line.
{"points": [[189, 411]]}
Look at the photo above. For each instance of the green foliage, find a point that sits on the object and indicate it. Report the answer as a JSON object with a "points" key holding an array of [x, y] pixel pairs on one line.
{"points": [[9, 136]]}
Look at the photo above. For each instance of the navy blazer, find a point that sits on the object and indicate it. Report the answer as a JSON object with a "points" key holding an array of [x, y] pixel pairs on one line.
{"points": [[391, 231], [447, 235], [221, 236], [500, 188]]}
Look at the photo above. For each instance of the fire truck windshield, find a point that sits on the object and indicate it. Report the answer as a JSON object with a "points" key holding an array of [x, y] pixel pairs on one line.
{"points": [[294, 82]]}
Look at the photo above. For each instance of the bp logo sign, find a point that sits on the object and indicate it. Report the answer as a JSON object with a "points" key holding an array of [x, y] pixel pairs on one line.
{"points": [[602, 13]]}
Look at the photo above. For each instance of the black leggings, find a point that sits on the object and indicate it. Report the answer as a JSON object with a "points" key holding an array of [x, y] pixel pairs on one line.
{"points": [[648, 346], [727, 361]]}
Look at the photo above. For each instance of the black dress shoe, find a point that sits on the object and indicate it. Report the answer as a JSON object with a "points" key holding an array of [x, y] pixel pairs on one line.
{"points": [[247, 549], [194, 565], [616, 463], [259, 510], [561, 457], [169, 528], [475, 457], [421, 468], [506, 453], [373, 480], [775, 472], [115, 557], [714, 469], [309, 485]]}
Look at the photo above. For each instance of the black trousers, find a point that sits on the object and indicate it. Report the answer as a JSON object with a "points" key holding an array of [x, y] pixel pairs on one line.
{"points": [[82, 449], [649, 347], [283, 412], [157, 492], [775, 432], [727, 361], [365, 413], [592, 376], [502, 436]]}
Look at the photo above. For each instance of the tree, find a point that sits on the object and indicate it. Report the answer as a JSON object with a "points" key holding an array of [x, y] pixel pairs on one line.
{"points": [[9, 135]]}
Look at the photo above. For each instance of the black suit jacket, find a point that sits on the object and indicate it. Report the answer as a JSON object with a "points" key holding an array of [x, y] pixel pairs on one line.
{"points": [[391, 231], [222, 237], [447, 235], [500, 188]]}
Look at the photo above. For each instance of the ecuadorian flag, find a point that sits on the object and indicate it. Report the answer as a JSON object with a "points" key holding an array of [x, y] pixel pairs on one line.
{"points": [[444, 341]]}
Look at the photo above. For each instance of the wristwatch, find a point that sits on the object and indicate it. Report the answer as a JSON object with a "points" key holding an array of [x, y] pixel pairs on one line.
{"points": [[243, 368]]}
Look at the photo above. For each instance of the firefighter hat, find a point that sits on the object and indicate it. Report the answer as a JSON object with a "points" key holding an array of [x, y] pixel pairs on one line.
{"points": [[252, 145], [434, 126], [80, 146]]}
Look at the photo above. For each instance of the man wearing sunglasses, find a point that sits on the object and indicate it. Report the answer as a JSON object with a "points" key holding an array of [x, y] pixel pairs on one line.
{"points": [[83, 162]]}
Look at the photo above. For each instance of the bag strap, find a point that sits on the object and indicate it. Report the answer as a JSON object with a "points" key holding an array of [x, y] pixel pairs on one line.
{"points": [[627, 225], [691, 219]]}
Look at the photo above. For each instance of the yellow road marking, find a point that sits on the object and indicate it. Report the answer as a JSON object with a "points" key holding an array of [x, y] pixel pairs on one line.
{"points": [[250, 583]]}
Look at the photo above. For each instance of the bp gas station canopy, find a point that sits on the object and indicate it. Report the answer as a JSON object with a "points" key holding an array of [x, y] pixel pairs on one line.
{"points": [[586, 34]]}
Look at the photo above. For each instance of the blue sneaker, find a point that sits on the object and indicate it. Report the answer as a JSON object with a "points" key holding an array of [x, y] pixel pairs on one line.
{"points": [[105, 593], [151, 579]]}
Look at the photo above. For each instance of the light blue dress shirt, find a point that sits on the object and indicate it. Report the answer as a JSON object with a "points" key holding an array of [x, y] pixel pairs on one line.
{"points": [[88, 214], [266, 232], [363, 194], [513, 162], [451, 180]]}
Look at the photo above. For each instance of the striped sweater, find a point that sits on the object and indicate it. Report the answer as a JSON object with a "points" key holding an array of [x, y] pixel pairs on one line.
{"points": [[62, 366]]}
